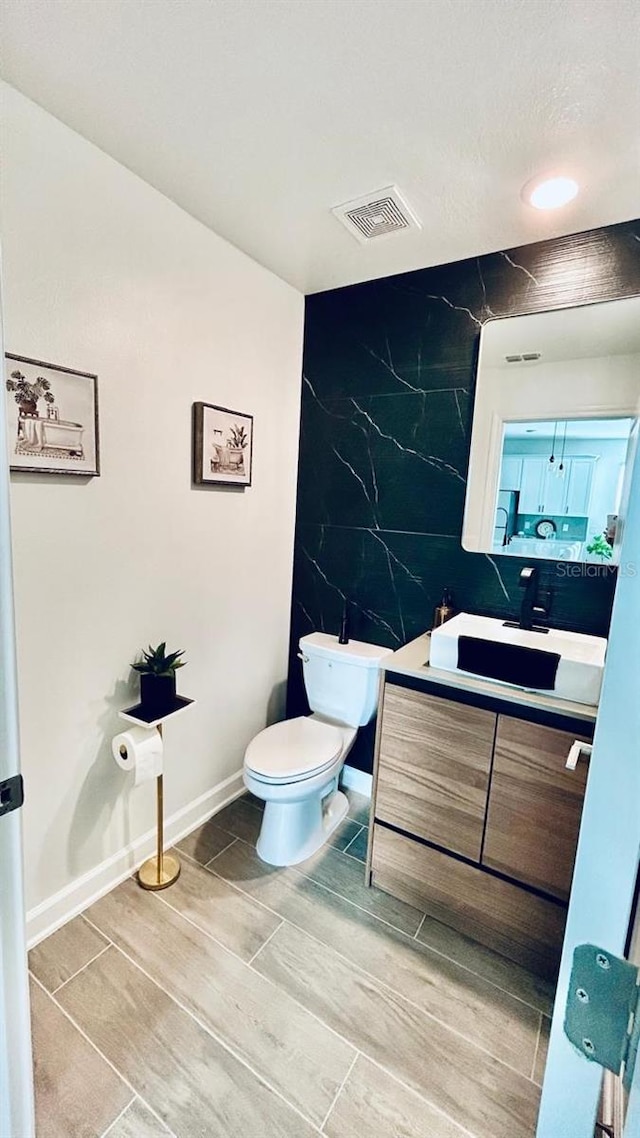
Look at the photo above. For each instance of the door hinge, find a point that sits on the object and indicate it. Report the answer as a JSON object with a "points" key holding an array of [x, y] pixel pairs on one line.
{"points": [[603, 1010], [11, 794]]}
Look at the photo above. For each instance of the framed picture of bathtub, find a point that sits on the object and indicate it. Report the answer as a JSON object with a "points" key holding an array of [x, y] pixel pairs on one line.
{"points": [[222, 446], [52, 418]]}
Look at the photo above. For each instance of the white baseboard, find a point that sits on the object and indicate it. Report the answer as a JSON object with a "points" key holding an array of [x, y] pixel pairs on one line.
{"points": [[49, 915], [357, 780]]}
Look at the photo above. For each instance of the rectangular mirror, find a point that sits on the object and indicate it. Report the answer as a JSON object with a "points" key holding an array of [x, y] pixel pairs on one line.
{"points": [[554, 433]]}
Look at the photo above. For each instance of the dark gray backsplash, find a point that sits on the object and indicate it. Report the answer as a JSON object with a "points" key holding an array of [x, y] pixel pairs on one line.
{"points": [[567, 528], [387, 404]]}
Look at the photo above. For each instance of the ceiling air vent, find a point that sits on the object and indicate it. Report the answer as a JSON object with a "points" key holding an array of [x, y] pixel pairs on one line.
{"points": [[377, 215], [525, 356]]}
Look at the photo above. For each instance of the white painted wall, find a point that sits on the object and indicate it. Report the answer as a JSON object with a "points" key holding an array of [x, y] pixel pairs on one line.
{"points": [[104, 274]]}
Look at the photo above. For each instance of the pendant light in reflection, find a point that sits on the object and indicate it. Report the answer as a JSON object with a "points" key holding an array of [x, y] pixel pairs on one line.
{"points": [[552, 456]]}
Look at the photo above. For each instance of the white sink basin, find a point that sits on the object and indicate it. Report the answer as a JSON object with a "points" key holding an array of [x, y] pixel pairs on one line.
{"points": [[554, 550], [567, 665]]}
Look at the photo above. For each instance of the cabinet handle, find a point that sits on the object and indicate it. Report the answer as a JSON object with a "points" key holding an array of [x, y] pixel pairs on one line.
{"points": [[575, 751]]}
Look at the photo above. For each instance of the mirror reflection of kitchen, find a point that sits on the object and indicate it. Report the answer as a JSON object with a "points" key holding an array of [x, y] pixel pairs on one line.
{"points": [[560, 488]]}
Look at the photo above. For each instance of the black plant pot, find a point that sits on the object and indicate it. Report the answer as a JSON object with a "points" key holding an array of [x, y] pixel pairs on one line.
{"points": [[157, 693]]}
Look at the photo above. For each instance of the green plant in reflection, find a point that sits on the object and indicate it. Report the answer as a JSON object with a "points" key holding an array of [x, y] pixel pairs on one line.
{"points": [[600, 547]]}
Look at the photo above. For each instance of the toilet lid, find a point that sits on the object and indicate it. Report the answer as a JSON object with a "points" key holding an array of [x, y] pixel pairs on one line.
{"points": [[293, 748]]}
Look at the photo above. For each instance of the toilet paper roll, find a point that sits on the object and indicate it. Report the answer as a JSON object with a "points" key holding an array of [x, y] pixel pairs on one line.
{"points": [[139, 750]]}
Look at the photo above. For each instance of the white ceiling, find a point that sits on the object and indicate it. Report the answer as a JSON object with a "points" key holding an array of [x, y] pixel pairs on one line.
{"points": [[258, 116], [588, 331], [570, 429]]}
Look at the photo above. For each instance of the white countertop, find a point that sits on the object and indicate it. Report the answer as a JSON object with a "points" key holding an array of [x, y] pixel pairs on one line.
{"points": [[413, 660]]}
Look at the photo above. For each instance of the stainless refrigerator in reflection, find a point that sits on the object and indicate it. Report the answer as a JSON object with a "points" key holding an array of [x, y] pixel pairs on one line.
{"points": [[505, 521]]}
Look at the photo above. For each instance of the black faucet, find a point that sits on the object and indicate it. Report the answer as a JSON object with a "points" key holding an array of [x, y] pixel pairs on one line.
{"points": [[530, 608]]}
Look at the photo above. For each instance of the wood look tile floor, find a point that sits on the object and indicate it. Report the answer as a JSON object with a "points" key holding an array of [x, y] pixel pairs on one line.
{"points": [[252, 1002]]}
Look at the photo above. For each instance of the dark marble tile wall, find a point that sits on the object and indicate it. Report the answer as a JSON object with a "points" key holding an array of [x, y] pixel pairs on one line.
{"points": [[387, 404]]}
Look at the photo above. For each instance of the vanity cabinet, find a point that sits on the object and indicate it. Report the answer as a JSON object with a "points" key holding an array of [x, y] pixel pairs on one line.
{"points": [[475, 817], [522, 926], [534, 807], [433, 777]]}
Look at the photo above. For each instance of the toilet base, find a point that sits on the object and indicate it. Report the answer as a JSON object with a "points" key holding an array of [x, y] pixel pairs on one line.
{"points": [[293, 831]]}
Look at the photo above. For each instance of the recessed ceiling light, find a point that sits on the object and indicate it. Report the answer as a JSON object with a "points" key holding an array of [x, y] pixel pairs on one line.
{"points": [[550, 193]]}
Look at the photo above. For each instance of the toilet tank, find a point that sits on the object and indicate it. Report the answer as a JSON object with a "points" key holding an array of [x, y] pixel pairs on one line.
{"points": [[341, 680]]}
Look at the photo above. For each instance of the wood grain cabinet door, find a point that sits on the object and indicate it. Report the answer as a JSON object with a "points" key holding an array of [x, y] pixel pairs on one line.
{"points": [[433, 768], [512, 921], [535, 806]]}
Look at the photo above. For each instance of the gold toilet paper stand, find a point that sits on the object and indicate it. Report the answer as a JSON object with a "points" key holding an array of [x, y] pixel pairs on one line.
{"points": [[161, 870]]}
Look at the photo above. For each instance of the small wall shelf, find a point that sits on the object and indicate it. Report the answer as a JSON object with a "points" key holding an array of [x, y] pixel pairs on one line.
{"points": [[135, 714]]}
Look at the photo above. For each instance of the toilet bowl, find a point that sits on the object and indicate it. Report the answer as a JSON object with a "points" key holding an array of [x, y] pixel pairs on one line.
{"points": [[294, 766]]}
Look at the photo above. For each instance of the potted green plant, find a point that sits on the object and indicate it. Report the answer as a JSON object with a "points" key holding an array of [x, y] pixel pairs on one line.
{"points": [[28, 394], [599, 547], [157, 671]]}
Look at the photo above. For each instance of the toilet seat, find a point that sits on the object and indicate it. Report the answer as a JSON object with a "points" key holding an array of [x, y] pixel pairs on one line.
{"points": [[293, 750]]}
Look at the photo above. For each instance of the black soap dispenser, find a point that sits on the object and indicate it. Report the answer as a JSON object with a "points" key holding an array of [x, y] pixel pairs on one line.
{"points": [[445, 610], [344, 627]]}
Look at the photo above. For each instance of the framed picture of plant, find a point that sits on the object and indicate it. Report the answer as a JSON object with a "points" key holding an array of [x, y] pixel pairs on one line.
{"points": [[52, 418], [222, 446]]}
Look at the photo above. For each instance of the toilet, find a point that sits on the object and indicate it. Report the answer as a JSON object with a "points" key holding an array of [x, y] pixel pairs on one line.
{"points": [[294, 767]]}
